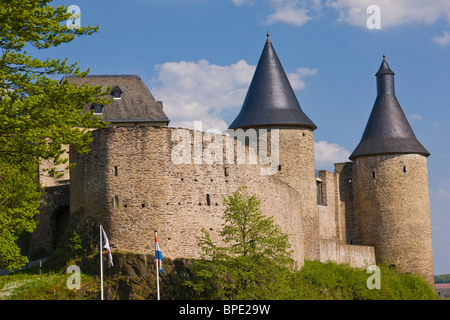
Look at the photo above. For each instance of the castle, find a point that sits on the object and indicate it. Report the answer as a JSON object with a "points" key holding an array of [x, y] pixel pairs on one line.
{"points": [[372, 209]]}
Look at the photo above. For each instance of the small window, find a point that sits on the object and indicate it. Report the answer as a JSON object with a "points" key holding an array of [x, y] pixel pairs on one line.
{"points": [[279, 167], [98, 109], [208, 200], [116, 171], [373, 174], [226, 171], [319, 188], [116, 93], [404, 169], [116, 201]]}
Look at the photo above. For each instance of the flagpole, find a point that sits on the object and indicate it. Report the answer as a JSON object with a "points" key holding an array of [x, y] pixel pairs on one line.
{"points": [[101, 265], [157, 272]]}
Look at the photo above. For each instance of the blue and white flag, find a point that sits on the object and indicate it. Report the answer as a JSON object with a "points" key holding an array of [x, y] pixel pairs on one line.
{"points": [[158, 255]]}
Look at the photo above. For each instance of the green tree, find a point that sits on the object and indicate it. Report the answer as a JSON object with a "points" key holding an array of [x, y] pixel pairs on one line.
{"points": [[255, 260], [38, 114]]}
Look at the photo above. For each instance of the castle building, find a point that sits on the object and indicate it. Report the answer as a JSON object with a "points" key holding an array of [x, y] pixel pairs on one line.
{"points": [[142, 175]]}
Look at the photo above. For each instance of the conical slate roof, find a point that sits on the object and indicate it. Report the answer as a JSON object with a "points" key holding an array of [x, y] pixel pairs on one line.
{"points": [[387, 130], [384, 68], [270, 100]]}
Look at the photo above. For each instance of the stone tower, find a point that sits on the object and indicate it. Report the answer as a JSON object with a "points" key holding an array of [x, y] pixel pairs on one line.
{"points": [[391, 183], [271, 104]]}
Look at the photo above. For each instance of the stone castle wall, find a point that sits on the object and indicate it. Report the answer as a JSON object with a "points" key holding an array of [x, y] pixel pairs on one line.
{"points": [[347, 203], [51, 221], [332, 220], [130, 184]]}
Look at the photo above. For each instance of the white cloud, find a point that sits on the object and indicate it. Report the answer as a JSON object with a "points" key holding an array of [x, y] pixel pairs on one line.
{"points": [[296, 12], [354, 12], [296, 78], [327, 154], [393, 12], [194, 91], [443, 189], [443, 39], [289, 14], [242, 2], [442, 193], [417, 117], [200, 90]]}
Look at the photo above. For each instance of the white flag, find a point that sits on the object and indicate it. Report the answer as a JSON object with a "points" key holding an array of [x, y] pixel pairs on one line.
{"points": [[106, 246]]}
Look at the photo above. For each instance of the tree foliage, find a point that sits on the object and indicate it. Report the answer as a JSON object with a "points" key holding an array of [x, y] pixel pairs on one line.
{"points": [[442, 278], [19, 202], [254, 258], [38, 114]]}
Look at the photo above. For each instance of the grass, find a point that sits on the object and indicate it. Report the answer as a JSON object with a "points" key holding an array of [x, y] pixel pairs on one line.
{"points": [[329, 280], [315, 281], [50, 286]]}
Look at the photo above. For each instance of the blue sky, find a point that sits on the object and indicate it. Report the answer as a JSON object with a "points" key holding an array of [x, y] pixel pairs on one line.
{"points": [[198, 57]]}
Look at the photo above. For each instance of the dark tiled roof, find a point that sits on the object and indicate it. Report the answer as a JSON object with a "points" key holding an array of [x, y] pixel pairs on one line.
{"points": [[387, 130], [270, 100], [136, 103]]}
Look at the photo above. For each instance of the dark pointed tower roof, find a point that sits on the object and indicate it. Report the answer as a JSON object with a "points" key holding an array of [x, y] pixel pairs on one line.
{"points": [[387, 130], [270, 100]]}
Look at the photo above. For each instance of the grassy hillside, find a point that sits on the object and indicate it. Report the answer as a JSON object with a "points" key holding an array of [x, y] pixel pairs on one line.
{"points": [[133, 277]]}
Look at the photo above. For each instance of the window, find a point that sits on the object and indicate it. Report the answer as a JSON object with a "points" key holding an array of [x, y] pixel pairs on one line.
{"points": [[373, 174], [404, 169], [319, 192], [116, 93], [116, 171], [116, 201], [98, 109], [208, 200], [226, 171]]}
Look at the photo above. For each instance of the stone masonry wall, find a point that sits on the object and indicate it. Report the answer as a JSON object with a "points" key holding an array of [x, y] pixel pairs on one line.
{"points": [[130, 184], [347, 205], [332, 227], [394, 210], [328, 228], [353, 255], [53, 216], [297, 169]]}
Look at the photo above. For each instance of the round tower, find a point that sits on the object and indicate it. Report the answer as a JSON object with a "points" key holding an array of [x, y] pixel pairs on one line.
{"points": [[271, 104], [391, 183]]}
